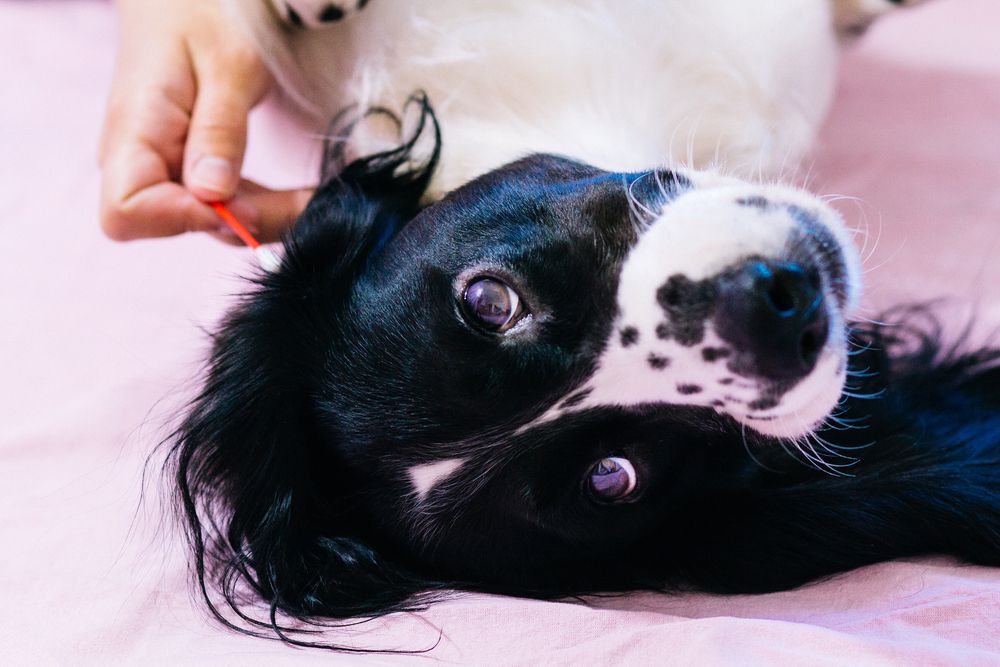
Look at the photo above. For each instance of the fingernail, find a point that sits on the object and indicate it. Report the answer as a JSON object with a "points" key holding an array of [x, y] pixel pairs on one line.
{"points": [[213, 173]]}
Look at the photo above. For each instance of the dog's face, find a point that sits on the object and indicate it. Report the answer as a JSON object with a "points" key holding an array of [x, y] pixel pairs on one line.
{"points": [[541, 362], [540, 377]]}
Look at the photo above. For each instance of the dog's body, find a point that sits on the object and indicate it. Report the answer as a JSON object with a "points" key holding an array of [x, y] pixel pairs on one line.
{"points": [[559, 378], [622, 86]]}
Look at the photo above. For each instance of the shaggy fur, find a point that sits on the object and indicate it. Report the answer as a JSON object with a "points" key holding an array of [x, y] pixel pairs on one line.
{"points": [[660, 389]]}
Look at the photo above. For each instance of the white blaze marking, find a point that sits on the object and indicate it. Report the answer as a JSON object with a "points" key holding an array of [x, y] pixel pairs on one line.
{"points": [[427, 475]]}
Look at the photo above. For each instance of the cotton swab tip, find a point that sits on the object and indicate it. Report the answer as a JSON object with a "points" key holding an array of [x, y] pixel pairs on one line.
{"points": [[268, 259]]}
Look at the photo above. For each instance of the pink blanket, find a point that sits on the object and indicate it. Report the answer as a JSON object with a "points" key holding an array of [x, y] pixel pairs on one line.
{"points": [[100, 342]]}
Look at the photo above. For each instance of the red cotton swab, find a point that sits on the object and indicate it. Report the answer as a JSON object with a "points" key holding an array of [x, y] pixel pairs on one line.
{"points": [[267, 258]]}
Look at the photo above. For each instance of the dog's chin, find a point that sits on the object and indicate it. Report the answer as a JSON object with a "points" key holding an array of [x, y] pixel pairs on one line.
{"points": [[806, 407]]}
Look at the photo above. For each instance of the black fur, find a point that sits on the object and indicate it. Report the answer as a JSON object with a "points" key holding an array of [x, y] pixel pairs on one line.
{"points": [[351, 363]]}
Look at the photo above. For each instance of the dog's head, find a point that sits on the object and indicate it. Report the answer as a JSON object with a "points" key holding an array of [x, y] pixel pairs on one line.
{"points": [[524, 386]]}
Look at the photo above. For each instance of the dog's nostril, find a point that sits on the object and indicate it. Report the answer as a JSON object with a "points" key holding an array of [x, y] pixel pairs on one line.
{"points": [[780, 298], [814, 338], [787, 289]]}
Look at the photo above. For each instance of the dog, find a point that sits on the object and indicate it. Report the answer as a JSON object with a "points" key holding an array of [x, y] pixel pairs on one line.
{"points": [[549, 377]]}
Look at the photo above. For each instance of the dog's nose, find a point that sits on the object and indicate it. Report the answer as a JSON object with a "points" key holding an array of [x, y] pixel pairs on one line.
{"points": [[773, 314]]}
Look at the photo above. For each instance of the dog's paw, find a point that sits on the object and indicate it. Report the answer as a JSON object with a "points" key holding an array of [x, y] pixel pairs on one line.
{"points": [[314, 13], [852, 17]]}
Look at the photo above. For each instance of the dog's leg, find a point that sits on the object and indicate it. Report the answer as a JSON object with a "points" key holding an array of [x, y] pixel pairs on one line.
{"points": [[852, 17]]}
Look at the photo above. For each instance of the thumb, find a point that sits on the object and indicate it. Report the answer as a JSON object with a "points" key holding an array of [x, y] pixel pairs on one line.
{"points": [[216, 142]]}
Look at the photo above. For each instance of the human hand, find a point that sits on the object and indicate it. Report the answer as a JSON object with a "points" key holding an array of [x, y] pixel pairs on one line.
{"points": [[175, 131]]}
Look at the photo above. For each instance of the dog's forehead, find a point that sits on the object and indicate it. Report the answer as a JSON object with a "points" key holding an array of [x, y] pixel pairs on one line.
{"points": [[539, 170], [521, 211], [541, 183]]}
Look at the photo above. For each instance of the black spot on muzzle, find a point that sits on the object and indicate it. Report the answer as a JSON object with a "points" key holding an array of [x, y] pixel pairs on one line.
{"points": [[688, 305]]}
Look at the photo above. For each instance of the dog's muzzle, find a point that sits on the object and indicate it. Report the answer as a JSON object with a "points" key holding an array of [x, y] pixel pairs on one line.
{"points": [[735, 297]]}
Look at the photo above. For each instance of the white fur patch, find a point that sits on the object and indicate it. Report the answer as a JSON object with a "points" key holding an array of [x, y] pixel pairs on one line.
{"points": [[426, 476], [701, 82]]}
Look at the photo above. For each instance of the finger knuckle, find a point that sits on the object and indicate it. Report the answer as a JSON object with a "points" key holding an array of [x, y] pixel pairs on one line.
{"points": [[217, 127], [219, 136], [242, 58]]}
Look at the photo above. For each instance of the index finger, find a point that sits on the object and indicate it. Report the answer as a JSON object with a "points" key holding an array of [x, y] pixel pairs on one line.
{"points": [[141, 162]]}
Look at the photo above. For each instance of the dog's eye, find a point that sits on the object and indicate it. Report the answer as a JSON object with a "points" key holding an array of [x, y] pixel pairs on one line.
{"points": [[492, 303], [612, 478]]}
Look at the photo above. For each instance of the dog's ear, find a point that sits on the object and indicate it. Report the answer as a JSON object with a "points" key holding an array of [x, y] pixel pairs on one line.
{"points": [[361, 204], [257, 480]]}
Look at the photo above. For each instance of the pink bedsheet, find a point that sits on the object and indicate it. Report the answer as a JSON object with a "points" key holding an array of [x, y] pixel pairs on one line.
{"points": [[98, 341]]}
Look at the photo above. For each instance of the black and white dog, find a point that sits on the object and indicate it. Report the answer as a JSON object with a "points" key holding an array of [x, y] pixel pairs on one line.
{"points": [[559, 379]]}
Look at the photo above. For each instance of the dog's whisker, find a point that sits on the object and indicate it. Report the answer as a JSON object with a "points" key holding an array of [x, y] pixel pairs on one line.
{"points": [[834, 449], [804, 446], [865, 396], [749, 449], [812, 441]]}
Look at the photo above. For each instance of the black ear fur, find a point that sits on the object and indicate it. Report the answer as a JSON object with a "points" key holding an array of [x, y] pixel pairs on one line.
{"points": [[242, 458], [361, 204]]}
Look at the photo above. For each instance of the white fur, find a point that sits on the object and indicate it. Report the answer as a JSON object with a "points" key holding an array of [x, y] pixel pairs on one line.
{"points": [[619, 84], [426, 476]]}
